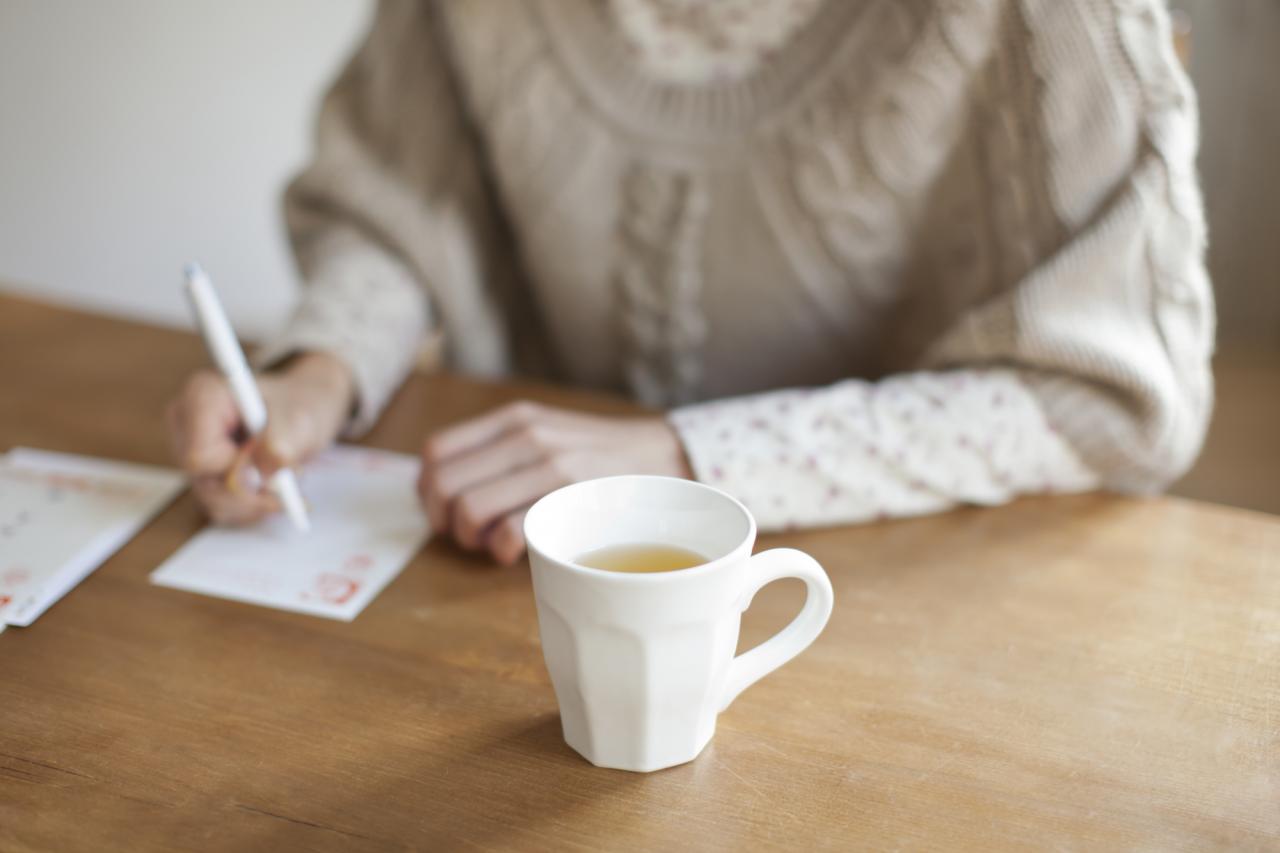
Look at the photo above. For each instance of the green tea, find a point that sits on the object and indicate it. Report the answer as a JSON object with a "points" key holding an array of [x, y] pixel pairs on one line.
{"points": [[641, 558]]}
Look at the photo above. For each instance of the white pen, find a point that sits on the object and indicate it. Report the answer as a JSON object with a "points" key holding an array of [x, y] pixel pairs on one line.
{"points": [[227, 354]]}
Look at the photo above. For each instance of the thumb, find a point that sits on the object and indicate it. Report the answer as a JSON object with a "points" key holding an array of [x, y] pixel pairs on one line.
{"points": [[261, 457], [283, 444], [304, 416], [297, 429]]}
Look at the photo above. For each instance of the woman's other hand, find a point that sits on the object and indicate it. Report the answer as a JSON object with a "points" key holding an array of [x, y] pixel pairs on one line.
{"points": [[480, 477], [307, 404]]}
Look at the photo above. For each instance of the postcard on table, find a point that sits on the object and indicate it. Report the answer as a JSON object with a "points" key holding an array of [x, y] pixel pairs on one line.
{"points": [[366, 523], [61, 516]]}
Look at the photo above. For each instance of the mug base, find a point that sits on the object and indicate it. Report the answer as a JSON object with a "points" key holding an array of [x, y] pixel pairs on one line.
{"points": [[642, 766]]}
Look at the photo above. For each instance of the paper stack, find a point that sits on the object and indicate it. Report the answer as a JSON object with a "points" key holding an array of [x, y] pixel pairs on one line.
{"points": [[61, 516]]}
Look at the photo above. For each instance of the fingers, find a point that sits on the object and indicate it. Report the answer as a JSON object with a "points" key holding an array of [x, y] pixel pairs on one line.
{"points": [[440, 486], [297, 428], [479, 477], [225, 507], [479, 508], [242, 469], [202, 426], [471, 434], [505, 540], [267, 454]]}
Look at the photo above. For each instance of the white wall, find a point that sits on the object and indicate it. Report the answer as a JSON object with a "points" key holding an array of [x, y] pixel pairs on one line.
{"points": [[138, 134], [1236, 67]]}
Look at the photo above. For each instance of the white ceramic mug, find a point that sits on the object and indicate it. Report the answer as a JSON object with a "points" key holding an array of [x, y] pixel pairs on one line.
{"points": [[643, 663]]}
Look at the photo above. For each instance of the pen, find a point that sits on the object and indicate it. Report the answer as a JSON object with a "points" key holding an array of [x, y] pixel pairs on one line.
{"points": [[227, 354]]}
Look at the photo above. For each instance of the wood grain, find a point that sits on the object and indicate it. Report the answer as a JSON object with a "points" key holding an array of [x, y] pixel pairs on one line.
{"points": [[1082, 673]]}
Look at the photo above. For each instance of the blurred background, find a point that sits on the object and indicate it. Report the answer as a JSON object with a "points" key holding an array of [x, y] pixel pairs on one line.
{"points": [[139, 134]]}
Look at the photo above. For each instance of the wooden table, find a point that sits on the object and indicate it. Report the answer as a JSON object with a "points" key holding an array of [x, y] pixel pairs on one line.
{"points": [[1082, 673]]}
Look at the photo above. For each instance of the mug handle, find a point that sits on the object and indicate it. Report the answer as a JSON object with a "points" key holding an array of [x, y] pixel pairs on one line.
{"points": [[765, 568]]}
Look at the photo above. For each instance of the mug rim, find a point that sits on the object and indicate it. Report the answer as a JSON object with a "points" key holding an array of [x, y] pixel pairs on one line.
{"points": [[645, 577]]}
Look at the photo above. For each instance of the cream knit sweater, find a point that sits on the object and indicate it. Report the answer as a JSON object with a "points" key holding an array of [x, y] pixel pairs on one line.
{"points": [[970, 230]]}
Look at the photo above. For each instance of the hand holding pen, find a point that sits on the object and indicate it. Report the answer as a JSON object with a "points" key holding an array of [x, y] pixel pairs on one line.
{"points": [[232, 460]]}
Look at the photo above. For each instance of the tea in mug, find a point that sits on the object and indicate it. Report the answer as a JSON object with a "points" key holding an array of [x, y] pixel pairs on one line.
{"points": [[641, 558]]}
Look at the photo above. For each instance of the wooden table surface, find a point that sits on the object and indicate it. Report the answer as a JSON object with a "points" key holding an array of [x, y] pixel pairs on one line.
{"points": [[1070, 673]]}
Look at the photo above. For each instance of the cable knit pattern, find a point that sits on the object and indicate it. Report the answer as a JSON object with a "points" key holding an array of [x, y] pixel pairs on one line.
{"points": [[698, 42], [970, 230], [659, 282], [1023, 225], [862, 153]]}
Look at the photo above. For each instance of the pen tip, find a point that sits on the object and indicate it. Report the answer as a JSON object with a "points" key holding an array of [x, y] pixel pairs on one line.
{"points": [[192, 269]]}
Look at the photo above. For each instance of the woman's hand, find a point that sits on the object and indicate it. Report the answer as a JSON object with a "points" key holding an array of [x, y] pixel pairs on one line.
{"points": [[479, 477], [307, 405]]}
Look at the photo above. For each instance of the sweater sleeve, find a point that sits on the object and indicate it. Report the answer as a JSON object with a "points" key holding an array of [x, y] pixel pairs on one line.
{"points": [[384, 220], [1090, 370]]}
